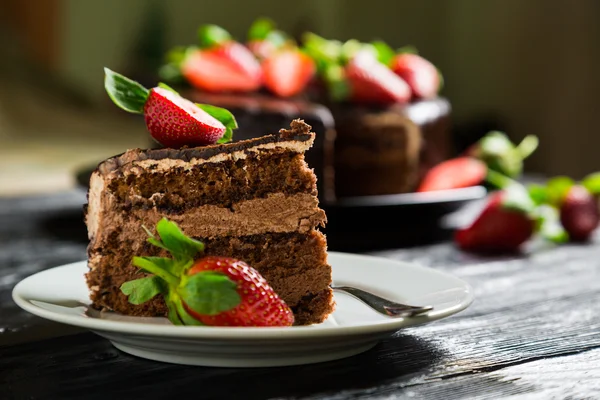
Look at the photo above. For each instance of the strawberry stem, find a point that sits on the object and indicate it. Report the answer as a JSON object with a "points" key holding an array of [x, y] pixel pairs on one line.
{"points": [[151, 267], [498, 180]]}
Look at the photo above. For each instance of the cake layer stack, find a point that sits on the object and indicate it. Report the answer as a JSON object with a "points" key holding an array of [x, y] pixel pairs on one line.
{"points": [[255, 200]]}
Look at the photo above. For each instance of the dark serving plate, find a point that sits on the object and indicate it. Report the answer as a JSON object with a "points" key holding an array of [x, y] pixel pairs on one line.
{"points": [[390, 221], [386, 221]]}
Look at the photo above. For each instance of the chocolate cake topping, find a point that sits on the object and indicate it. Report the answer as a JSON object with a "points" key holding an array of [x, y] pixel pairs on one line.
{"points": [[300, 131]]}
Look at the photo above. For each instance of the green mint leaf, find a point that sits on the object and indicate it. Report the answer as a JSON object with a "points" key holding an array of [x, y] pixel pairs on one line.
{"points": [[182, 247], [165, 86], [209, 293], [592, 183], [260, 29], [124, 92], [212, 35], [158, 266], [407, 50], [141, 290], [538, 193], [527, 146], [557, 189], [225, 117], [385, 53], [548, 224]]}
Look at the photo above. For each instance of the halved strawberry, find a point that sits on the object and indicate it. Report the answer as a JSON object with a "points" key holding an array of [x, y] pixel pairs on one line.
{"points": [[171, 120], [372, 82], [455, 173], [175, 122], [217, 291], [287, 72], [420, 74], [229, 67]]}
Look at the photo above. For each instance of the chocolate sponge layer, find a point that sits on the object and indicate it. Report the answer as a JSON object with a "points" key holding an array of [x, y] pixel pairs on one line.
{"points": [[294, 264]]}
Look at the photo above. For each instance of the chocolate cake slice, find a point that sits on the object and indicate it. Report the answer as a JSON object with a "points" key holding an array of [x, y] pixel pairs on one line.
{"points": [[254, 200]]}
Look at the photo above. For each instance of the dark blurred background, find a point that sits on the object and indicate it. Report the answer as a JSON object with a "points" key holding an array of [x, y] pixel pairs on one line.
{"points": [[524, 66]]}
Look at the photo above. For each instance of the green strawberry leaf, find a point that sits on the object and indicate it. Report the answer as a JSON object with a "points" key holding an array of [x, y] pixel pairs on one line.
{"points": [[442, 81], [225, 117], [592, 183], [352, 47], [182, 313], [158, 266], [165, 86], [212, 35], [141, 290], [385, 53], [538, 193], [209, 293], [548, 224], [517, 198], [124, 92], [337, 85], [527, 146], [260, 29], [323, 51], [407, 50], [172, 313], [180, 246], [557, 189], [495, 143]]}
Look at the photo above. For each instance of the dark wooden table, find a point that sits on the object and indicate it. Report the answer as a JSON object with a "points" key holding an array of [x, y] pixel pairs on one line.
{"points": [[532, 332]]}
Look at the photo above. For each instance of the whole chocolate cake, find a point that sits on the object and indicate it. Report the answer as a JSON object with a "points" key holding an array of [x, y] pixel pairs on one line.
{"points": [[379, 122]]}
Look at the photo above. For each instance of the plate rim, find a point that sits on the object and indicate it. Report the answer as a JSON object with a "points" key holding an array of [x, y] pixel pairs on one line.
{"points": [[247, 333]]}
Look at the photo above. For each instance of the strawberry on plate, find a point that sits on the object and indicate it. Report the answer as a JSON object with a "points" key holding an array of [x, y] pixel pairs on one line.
{"points": [[214, 291], [420, 74], [171, 120], [455, 173]]}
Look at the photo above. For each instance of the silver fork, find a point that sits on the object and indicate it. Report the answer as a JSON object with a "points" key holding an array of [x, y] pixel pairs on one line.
{"points": [[383, 306]]}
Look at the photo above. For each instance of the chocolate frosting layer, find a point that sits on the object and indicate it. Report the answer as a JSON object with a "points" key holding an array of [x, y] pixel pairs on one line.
{"points": [[300, 132]]}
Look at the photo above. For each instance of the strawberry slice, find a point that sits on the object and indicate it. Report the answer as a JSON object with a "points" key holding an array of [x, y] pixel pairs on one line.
{"points": [[175, 122], [455, 173], [372, 82], [171, 120], [229, 67], [216, 291], [287, 72], [420, 74]]}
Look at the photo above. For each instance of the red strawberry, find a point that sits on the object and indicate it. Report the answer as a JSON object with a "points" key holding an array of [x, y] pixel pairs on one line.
{"points": [[420, 74], [287, 72], [455, 173], [174, 121], [217, 291], [497, 229], [372, 82], [259, 306], [228, 67], [171, 120], [579, 213]]}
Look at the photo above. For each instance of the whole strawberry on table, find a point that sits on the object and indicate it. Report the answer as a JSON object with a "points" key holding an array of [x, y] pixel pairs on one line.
{"points": [[209, 290]]}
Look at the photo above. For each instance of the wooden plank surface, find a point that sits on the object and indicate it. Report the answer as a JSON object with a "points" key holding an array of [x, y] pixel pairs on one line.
{"points": [[532, 332]]}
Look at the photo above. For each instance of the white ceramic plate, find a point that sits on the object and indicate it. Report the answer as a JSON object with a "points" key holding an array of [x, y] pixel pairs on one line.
{"points": [[60, 294]]}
